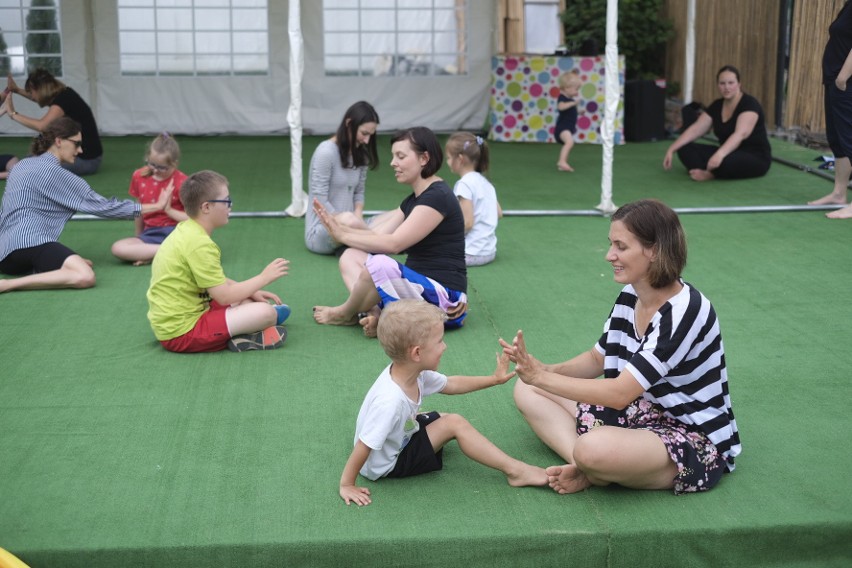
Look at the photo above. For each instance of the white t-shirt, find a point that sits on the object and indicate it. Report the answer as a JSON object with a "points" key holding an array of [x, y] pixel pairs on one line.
{"points": [[481, 239], [387, 419]]}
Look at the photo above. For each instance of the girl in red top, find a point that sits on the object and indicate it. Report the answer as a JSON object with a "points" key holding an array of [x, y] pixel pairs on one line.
{"points": [[159, 173]]}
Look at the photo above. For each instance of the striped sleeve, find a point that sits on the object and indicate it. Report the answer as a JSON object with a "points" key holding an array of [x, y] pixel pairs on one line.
{"points": [[680, 362]]}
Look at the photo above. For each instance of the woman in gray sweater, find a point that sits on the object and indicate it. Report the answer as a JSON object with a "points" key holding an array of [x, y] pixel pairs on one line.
{"points": [[339, 173]]}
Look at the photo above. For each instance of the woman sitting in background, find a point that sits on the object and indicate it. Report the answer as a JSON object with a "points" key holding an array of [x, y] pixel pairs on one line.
{"points": [[737, 121], [40, 197], [428, 226], [61, 100], [338, 175]]}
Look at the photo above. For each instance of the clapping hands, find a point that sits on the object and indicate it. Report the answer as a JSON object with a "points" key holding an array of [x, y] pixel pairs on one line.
{"points": [[527, 367]]}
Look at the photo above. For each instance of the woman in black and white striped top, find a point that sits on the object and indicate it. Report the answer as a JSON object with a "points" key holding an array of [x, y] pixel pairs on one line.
{"points": [[40, 197], [661, 417]]}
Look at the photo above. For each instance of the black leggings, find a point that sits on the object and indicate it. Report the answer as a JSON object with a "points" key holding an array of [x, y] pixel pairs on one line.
{"points": [[736, 165]]}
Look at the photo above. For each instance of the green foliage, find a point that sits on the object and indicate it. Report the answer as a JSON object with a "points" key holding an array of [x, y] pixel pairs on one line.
{"points": [[5, 66], [642, 32], [43, 42]]}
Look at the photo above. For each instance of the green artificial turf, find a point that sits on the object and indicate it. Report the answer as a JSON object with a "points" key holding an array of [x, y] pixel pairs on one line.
{"points": [[114, 452]]}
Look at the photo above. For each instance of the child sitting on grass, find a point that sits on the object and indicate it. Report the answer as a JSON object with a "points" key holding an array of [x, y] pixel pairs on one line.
{"points": [[193, 307], [467, 156], [391, 438]]}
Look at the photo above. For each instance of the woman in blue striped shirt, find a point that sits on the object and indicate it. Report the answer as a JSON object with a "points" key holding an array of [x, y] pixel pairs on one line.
{"points": [[661, 418], [40, 197]]}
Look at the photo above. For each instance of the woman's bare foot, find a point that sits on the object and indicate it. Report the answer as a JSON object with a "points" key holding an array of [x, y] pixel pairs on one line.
{"points": [[701, 175], [333, 316], [842, 213], [564, 167], [527, 475], [567, 479], [830, 199]]}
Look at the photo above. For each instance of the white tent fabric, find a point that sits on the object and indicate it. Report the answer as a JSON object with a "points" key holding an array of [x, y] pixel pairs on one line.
{"points": [[611, 99], [299, 204], [689, 59], [258, 104]]}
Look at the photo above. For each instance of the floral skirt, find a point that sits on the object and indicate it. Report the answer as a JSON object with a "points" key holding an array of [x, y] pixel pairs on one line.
{"points": [[699, 464]]}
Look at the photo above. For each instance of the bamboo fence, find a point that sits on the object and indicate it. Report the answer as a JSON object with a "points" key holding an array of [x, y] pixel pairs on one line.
{"points": [[809, 34], [742, 33], [728, 32]]}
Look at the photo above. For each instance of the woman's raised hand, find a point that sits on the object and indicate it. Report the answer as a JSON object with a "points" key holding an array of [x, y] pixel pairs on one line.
{"points": [[527, 367], [328, 220]]}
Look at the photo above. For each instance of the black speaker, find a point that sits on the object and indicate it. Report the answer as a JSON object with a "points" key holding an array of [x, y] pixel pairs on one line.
{"points": [[644, 111]]}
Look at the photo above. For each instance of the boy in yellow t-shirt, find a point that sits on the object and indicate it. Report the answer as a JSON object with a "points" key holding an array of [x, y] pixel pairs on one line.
{"points": [[193, 306]]}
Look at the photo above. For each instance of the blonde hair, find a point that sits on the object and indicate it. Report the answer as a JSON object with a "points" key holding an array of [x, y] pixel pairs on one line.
{"points": [[166, 145], [569, 79], [198, 188], [405, 324], [471, 147]]}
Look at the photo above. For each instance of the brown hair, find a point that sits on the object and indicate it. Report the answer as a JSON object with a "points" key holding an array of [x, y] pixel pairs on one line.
{"points": [[731, 69], [423, 141], [471, 147], [366, 155], [198, 188], [62, 127], [44, 85], [657, 227], [406, 323]]}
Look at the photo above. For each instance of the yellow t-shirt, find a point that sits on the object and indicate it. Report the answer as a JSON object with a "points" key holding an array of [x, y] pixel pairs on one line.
{"points": [[186, 265]]}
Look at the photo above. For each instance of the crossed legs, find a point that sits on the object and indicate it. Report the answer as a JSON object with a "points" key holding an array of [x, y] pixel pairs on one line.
{"points": [[633, 458], [135, 250]]}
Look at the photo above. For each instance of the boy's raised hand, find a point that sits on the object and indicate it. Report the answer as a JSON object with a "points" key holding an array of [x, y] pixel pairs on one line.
{"points": [[275, 269], [502, 374], [354, 494]]}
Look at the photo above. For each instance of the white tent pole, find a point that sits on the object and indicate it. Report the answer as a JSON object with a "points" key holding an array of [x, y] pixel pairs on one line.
{"points": [[689, 57], [611, 98], [299, 204]]}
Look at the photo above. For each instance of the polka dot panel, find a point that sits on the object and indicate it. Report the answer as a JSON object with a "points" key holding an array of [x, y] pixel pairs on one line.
{"points": [[524, 90]]}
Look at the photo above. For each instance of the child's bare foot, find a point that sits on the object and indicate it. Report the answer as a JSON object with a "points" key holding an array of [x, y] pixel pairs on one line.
{"points": [[333, 316], [842, 213], [141, 262], [527, 475], [564, 167], [830, 199], [370, 325], [701, 175], [567, 479], [89, 262]]}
